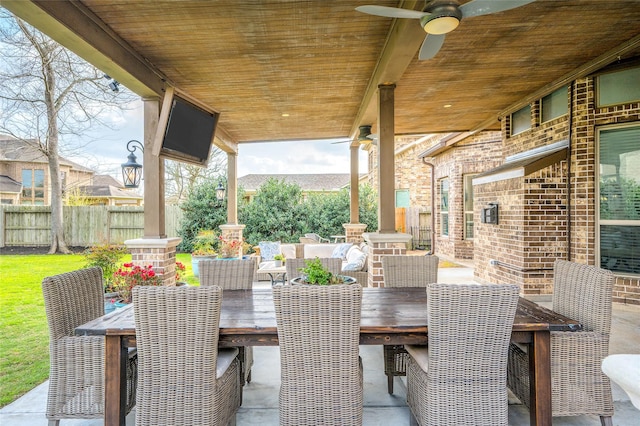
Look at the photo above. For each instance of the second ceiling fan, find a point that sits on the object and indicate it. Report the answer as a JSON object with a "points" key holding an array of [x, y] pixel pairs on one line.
{"points": [[440, 17]]}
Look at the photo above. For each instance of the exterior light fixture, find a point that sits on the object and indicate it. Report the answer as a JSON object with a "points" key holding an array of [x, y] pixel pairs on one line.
{"points": [[220, 191], [113, 84], [131, 170], [365, 131]]}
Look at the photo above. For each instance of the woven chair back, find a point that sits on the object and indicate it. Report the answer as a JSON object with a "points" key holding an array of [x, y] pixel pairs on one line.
{"points": [[410, 271], [235, 274]]}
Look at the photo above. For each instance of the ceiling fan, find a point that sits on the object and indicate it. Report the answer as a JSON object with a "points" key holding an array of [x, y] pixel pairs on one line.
{"points": [[440, 17], [364, 137]]}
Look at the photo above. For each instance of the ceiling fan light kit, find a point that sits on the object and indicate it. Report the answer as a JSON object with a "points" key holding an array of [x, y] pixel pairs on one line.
{"points": [[365, 131], [441, 20], [440, 17]]}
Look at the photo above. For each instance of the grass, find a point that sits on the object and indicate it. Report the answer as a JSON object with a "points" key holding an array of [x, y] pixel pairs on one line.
{"points": [[24, 346]]}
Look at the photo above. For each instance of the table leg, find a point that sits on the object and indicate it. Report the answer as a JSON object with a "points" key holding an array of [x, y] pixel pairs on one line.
{"points": [[115, 381], [540, 379]]}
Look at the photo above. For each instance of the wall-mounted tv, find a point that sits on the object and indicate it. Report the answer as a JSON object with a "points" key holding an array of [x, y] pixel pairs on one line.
{"points": [[187, 130]]}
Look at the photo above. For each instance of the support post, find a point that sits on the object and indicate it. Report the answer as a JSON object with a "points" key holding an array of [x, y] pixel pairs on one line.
{"points": [[386, 159], [153, 175], [232, 188], [354, 213]]}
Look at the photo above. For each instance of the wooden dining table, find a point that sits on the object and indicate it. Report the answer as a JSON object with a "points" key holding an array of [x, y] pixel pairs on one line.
{"points": [[390, 316]]}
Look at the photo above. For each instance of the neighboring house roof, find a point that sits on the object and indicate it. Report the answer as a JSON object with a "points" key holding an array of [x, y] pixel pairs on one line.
{"points": [[8, 184], [100, 180], [107, 191], [12, 149], [307, 182]]}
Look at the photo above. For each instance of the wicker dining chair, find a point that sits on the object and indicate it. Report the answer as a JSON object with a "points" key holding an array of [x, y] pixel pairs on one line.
{"points": [[293, 266], [76, 373], [578, 385], [404, 271], [460, 378], [321, 371], [184, 378], [232, 275]]}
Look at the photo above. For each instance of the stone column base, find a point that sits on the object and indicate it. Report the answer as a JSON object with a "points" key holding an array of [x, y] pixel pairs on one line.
{"points": [[380, 245], [354, 231], [233, 233], [157, 252]]}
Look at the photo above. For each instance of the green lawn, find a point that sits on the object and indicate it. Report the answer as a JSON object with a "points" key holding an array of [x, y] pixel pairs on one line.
{"points": [[24, 336]]}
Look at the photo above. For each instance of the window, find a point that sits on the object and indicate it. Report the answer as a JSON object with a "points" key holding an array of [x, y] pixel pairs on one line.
{"points": [[402, 198], [555, 104], [468, 207], [619, 87], [521, 120], [619, 201], [33, 186], [444, 207]]}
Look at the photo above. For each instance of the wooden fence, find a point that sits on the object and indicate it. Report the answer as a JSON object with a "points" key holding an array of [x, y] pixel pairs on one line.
{"points": [[83, 225]]}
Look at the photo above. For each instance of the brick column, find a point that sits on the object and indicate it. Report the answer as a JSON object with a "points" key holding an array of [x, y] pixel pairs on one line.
{"points": [[157, 252], [354, 231], [380, 245], [231, 233]]}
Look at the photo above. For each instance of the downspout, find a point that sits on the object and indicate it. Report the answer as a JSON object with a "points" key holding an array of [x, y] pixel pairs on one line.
{"points": [[433, 205], [571, 106]]}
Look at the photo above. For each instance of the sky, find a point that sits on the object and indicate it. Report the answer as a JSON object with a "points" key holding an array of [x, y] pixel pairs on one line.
{"points": [[107, 150]]}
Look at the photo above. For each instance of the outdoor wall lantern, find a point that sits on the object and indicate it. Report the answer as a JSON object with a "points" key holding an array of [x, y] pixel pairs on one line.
{"points": [[131, 170], [220, 191]]}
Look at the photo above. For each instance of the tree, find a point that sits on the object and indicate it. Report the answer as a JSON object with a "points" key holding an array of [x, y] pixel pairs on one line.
{"points": [[275, 213], [202, 211], [182, 178], [47, 92]]}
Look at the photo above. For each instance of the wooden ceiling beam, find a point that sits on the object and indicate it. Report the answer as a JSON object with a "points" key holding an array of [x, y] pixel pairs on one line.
{"points": [[404, 39]]}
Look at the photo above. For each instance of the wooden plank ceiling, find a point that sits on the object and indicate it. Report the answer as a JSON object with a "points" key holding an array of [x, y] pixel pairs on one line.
{"points": [[317, 60]]}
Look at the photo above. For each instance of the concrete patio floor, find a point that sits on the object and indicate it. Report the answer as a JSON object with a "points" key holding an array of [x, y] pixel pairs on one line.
{"points": [[260, 398]]}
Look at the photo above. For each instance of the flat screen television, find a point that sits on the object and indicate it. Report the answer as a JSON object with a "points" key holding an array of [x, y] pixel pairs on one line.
{"points": [[188, 133]]}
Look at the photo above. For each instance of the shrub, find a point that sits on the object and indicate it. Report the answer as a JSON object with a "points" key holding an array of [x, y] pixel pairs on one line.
{"points": [[107, 257]]}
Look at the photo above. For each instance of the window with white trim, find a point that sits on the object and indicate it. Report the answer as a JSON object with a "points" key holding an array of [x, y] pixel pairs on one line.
{"points": [[619, 200], [444, 207], [521, 120], [468, 206], [618, 87], [554, 105]]}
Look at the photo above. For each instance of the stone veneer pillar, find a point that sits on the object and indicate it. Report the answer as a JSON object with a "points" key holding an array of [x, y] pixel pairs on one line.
{"points": [[233, 233], [380, 245], [157, 252], [354, 232]]}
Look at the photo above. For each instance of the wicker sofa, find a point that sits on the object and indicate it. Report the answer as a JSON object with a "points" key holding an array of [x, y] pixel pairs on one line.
{"points": [[311, 251]]}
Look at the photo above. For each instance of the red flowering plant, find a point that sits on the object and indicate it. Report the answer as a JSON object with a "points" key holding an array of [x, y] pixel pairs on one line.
{"points": [[129, 275], [230, 248], [180, 268]]}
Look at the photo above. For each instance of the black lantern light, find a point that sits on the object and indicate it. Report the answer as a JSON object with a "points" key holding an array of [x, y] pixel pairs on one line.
{"points": [[220, 191], [131, 170]]}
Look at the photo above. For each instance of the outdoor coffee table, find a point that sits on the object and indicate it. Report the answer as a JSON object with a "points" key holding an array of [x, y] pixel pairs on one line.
{"points": [[278, 274], [390, 316]]}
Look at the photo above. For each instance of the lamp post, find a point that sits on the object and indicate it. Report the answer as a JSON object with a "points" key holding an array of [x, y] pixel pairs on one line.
{"points": [[131, 170], [220, 191]]}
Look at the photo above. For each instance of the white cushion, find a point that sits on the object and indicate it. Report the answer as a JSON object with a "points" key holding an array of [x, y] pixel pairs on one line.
{"points": [[225, 358], [288, 250], [420, 354], [340, 252], [268, 249], [356, 260], [311, 251]]}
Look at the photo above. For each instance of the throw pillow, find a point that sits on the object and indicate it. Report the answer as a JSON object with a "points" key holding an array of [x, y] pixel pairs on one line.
{"points": [[355, 261], [340, 252], [268, 249]]}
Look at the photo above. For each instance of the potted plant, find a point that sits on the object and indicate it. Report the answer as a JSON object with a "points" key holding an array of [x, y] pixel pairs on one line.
{"points": [[129, 276], [315, 273], [204, 248], [278, 260]]}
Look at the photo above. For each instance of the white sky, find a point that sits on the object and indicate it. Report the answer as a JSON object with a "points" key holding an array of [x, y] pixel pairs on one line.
{"points": [[107, 150]]}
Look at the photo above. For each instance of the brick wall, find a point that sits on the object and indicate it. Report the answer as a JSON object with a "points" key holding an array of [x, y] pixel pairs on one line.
{"points": [[475, 154], [533, 229]]}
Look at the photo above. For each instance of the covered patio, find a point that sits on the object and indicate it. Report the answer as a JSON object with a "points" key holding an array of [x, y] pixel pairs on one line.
{"points": [[260, 397]]}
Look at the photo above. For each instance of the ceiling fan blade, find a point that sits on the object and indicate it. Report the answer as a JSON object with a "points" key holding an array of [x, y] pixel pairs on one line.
{"points": [[485, 7], [430, 46], [391, 12]]}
